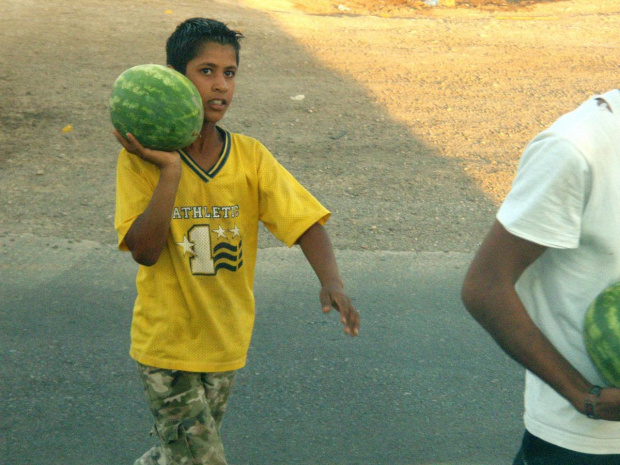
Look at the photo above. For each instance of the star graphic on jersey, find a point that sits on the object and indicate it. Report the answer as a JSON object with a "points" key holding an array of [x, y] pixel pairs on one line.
{"points": [[188, 246], [236, 231], [221, 232]]}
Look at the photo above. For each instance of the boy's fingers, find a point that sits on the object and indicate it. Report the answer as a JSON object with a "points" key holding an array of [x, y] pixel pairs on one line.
{"points": [[326, 304], [133, 142], [129, 136], [120, 138], [348, 315], [129, 142], [352, 322]]}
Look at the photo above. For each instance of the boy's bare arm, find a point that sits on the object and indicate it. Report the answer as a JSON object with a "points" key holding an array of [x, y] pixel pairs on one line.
{"points": [[489, 295], [148, 233], [318, 250]]}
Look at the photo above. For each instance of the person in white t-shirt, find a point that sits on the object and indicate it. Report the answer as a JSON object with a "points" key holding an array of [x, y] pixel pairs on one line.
{"points": [[553, 247]]}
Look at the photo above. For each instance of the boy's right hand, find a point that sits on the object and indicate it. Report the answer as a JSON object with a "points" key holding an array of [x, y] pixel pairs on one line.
{"points": [[155, 157], [148, 233]]}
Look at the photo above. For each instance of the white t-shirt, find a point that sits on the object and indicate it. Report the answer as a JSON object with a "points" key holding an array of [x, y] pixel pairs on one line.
{"points": [[566, 196]]}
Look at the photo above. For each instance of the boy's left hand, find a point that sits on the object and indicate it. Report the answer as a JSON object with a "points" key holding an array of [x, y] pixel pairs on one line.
{"points": [[333, 296]]}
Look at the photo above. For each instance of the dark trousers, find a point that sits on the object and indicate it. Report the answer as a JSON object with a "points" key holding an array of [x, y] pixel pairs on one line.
{"points": [[535, 451]]}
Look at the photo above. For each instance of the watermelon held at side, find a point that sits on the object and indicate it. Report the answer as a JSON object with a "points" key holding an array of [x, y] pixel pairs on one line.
{"points": [[602, 334], [158, 105]]}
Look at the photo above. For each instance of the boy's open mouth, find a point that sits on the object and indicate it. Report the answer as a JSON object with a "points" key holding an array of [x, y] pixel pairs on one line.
{"points": [[217, 102]]}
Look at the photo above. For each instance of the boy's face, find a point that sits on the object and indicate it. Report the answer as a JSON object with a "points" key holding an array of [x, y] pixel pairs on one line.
{"points": [[213, 73]]}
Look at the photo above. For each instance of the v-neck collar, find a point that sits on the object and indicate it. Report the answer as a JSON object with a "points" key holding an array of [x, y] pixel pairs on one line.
{"points": [[207, 176]]}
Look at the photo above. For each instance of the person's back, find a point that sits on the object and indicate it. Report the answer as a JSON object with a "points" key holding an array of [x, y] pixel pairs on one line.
{"points": [[550, 252], [582, 256]]}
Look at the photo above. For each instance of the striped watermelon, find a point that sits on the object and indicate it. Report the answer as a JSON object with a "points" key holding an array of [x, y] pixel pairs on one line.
{"points": [[158, 105], [602, 334]]}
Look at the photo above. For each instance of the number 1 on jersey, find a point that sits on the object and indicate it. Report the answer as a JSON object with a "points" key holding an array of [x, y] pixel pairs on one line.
{"points": [[202, 261]]}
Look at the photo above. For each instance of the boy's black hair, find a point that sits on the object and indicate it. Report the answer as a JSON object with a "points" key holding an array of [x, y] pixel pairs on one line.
{"points": [[187, 40]]}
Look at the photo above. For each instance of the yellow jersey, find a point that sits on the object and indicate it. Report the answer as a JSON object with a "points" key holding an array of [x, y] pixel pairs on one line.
{"points": [[194, 309]]}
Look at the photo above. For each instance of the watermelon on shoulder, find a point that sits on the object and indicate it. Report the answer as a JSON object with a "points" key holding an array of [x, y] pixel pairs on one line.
{"points": [[602, 334], [158, 105]]}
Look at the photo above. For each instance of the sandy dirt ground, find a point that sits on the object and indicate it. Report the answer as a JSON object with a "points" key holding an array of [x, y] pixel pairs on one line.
{"points": [[406, 121]]}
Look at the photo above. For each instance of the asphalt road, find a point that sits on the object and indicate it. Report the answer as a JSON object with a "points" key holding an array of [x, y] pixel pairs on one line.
{"points": [[421, 385]]}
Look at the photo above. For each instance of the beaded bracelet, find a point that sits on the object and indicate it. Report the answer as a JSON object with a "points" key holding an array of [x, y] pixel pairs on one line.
{"points": [[591, 402]]}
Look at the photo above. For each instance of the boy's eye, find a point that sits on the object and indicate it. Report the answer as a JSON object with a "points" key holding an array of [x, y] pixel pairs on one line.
{"points": [[230, 73], [206, 71]]}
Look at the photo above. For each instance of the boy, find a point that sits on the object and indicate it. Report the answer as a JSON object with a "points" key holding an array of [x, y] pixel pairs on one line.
{"points": [[552, 248], [190, 218]]}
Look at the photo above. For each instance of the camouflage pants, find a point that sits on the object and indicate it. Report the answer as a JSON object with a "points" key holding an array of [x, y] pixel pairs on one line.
{"points": [[188, 409]]}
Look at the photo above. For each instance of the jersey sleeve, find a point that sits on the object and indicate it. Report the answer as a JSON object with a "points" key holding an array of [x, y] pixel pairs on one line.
{"points": [[135, 183], [286, 208], [549, 194]]}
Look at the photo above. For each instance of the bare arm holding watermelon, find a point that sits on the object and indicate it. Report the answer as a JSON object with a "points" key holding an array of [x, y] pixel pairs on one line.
{"points": [[489, 295], [147, 236]]}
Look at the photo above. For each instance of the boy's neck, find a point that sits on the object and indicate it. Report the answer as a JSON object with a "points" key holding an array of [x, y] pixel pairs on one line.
{"points": [[206, 149]]}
